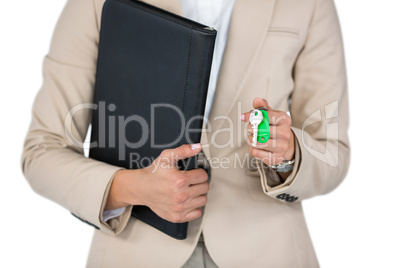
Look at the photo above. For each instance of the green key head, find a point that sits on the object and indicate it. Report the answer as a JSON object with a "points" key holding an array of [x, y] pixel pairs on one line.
{"points": [[263, 128]]}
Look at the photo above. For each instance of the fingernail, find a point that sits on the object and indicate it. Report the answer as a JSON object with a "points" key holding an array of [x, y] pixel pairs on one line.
{"points": [[196, 146], [242, 117]]}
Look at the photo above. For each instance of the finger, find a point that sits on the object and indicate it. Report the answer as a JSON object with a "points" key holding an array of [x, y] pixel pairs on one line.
{"points": [[182, 152], [259, 102], [199, 189], [197, 202], [196, 176], [269, 158], [245, 117], [278, 118], [192, 215]]}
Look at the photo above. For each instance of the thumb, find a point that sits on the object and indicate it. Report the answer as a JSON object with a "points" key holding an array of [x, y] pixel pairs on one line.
{"points": [[182, 152], [259, 102]]}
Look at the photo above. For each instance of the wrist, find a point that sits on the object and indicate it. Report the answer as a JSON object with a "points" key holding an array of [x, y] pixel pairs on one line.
{"points": [[119, 196]]}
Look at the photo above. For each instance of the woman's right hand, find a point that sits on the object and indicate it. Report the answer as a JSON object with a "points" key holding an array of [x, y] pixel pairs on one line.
{"points": [[172, 194]]}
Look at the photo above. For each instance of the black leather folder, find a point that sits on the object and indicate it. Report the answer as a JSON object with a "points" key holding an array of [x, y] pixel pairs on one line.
{"points": [[151, 85]]}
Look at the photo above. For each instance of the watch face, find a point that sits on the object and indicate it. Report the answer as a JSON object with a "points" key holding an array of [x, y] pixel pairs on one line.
{"points": [[285, 168]]}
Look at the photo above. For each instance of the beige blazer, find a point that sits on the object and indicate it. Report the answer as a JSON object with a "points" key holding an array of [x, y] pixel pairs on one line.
{"points": [[287, 51]]}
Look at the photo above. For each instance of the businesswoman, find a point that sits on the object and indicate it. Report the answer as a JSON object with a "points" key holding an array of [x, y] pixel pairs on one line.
{"points": [[284, 55]]}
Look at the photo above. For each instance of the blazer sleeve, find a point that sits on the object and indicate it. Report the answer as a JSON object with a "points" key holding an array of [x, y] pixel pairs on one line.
{"points": [[319, 112], [53, 162]]}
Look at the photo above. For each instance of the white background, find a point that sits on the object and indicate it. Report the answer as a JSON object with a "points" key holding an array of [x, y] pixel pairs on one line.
{"points": [[357, 225]]}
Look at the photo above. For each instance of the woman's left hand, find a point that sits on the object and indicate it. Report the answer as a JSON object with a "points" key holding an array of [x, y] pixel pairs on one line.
{"points": [[280, 145]]}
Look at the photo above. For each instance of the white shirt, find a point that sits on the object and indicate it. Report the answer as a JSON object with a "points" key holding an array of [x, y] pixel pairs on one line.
{"points": [[216, 14]]}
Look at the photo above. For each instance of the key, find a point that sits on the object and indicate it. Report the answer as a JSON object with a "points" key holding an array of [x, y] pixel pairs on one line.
{"points": [[256, 118]]}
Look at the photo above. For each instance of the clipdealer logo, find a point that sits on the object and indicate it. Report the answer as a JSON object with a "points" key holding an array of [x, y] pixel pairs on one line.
{"points": [[115, 125]]}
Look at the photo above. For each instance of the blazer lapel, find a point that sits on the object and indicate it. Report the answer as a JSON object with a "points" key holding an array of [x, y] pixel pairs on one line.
{"points": [[249, 26]]}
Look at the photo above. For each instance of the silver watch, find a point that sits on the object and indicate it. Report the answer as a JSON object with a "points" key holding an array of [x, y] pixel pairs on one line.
{"points": [[285, 166]]}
